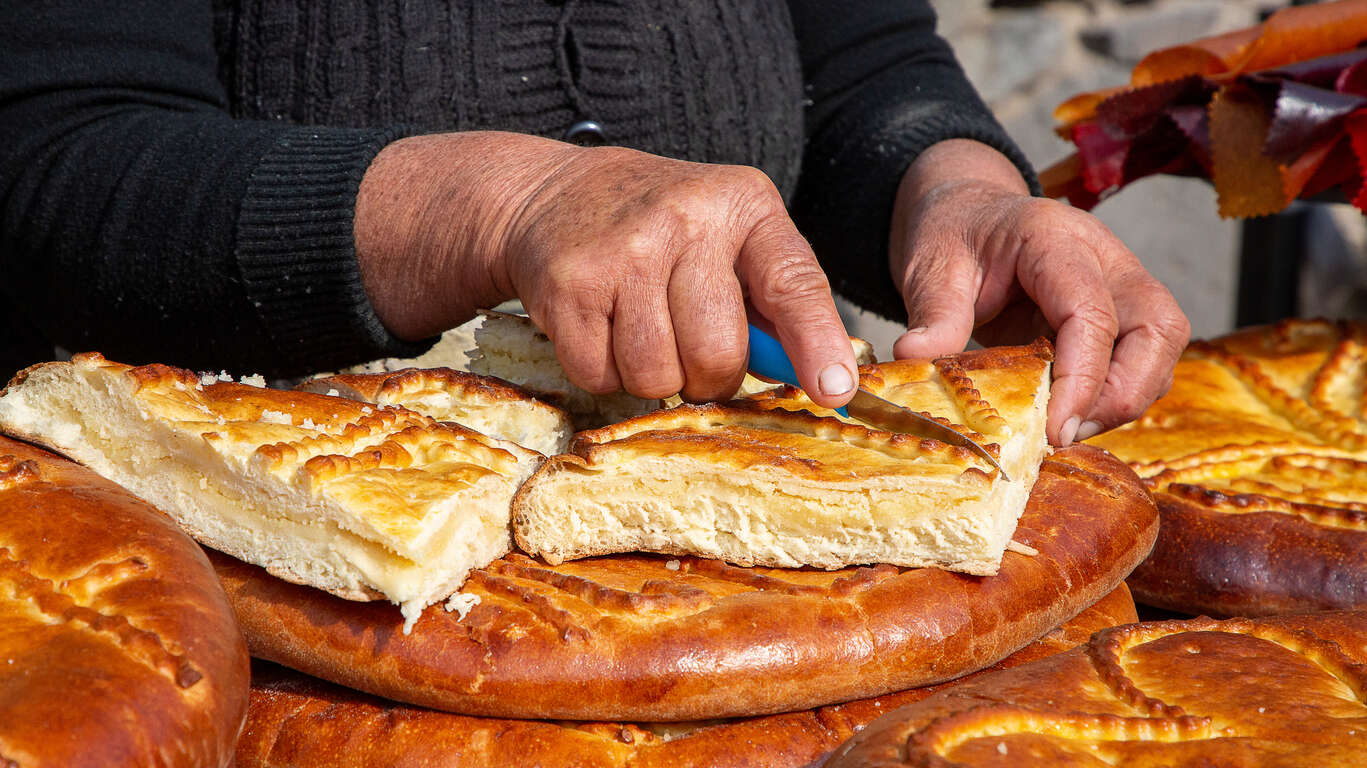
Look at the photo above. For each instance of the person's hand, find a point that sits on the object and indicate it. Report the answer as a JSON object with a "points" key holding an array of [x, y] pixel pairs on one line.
{"points": [[975, 255], [638, 267]]}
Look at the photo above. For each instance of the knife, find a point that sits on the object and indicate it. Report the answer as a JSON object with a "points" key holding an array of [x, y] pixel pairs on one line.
{"points": [[768, 359]]}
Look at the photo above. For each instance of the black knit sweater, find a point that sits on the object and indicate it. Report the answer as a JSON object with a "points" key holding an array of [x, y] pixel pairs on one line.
{"points": [[177, 179]]}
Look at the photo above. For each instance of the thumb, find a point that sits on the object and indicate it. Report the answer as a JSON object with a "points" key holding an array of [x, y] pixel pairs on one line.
{"points": [[940, 290]]}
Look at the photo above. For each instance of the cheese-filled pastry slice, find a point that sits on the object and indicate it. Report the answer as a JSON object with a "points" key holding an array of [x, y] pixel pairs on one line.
{"points": [[361, 501], [774, 480]]}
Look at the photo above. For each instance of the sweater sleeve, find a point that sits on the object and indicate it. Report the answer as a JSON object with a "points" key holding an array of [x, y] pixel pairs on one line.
{"points": [[882, 88], [139, 219]]}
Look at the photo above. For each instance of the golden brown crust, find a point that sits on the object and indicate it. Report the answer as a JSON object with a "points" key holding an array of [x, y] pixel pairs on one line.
{"points": [[743, 434], [1286, 691], [118, 646], [1258, 459], [395, 385], [298, 721], [649, 638]]}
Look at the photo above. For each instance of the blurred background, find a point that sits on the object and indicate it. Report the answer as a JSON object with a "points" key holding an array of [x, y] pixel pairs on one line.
{"points": [[1025, 57]]}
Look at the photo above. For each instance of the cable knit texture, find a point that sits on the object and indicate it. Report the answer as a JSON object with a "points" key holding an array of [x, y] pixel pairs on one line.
{"points": [[177, 179]]}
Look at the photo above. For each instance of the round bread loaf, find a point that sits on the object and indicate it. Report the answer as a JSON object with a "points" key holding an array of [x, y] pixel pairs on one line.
{"points": [[296, 721], [1285, 691], [117, 645], [1257, 458], [649, 638]]}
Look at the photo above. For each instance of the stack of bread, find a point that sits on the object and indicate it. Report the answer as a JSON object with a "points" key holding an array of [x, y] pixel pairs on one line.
{"points": [[760, 559]]}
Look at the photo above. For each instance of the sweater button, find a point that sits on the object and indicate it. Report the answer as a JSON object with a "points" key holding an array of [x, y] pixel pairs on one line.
{"points": [[586, 133]]}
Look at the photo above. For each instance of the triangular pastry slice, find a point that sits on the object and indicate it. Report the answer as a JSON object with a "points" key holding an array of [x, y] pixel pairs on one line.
{"points": [[760, 482], [357, 500], [482, 403]]}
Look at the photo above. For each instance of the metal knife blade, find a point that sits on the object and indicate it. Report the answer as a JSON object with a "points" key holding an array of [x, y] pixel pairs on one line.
{"points": [[885, 415]]}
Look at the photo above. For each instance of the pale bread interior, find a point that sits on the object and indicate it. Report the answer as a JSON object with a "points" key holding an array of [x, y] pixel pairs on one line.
{"points": [[359, 501], [790, 489]]}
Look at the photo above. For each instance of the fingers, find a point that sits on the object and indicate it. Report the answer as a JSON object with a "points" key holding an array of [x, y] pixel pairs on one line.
{"points": [[643, 344], [1119, 330], [941, 291], [1070, 288], [639, 267], [1153, 333], [787, 286], [578, 325], [708, 314]]}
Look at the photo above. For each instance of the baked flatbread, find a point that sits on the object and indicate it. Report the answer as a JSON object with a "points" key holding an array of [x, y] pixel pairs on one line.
{"points": [[117, 645], [357, 500], [1258, 459], [482, 403], [652, 637], [1280, 692], [760, 482], [296, 721]]}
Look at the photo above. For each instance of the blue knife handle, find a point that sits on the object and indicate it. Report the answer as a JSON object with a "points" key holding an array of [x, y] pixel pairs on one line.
{"points": [[768, 359]]}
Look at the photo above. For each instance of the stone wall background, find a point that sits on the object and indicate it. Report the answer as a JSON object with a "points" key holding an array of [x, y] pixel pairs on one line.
{"points": [[1026, 57]]}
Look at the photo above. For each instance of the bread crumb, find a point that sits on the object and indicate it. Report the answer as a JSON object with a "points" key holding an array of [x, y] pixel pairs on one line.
{"points": [[366, 410], [461, 603], [1001, 747], [254, 380], [673, 565], [333, 393], [307, 423], [1021, 549]]}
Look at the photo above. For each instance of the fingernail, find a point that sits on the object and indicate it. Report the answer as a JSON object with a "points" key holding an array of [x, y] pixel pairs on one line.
{"points": [[835, 379], [1069, 431], [1088, 429]]}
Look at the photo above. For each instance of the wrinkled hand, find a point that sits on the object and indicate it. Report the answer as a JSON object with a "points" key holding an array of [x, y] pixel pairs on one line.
{"points": [[974, 254], [638, 267]]}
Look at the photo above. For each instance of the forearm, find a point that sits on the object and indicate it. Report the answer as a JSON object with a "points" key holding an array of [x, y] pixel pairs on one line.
{"points": [[881, 97], [432, 220]]}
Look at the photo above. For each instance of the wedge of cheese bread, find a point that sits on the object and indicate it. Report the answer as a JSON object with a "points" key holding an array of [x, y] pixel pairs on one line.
{"points": [[773, 480], [359, 500]]}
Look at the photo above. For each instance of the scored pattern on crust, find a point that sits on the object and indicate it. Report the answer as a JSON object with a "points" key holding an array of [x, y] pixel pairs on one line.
{"points": [[978, 414], [64, 602], [551, 595], [1159, 721], [1312, 375], [767, 411]]}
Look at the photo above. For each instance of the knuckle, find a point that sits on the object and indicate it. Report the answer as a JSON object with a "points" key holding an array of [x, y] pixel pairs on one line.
{"points": [[652, 382], [1098, 322], [714, 362], [794, 276]]}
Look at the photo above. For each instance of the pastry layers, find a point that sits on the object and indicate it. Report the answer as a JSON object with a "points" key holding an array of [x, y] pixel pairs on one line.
{"points": [[360, 501]]}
